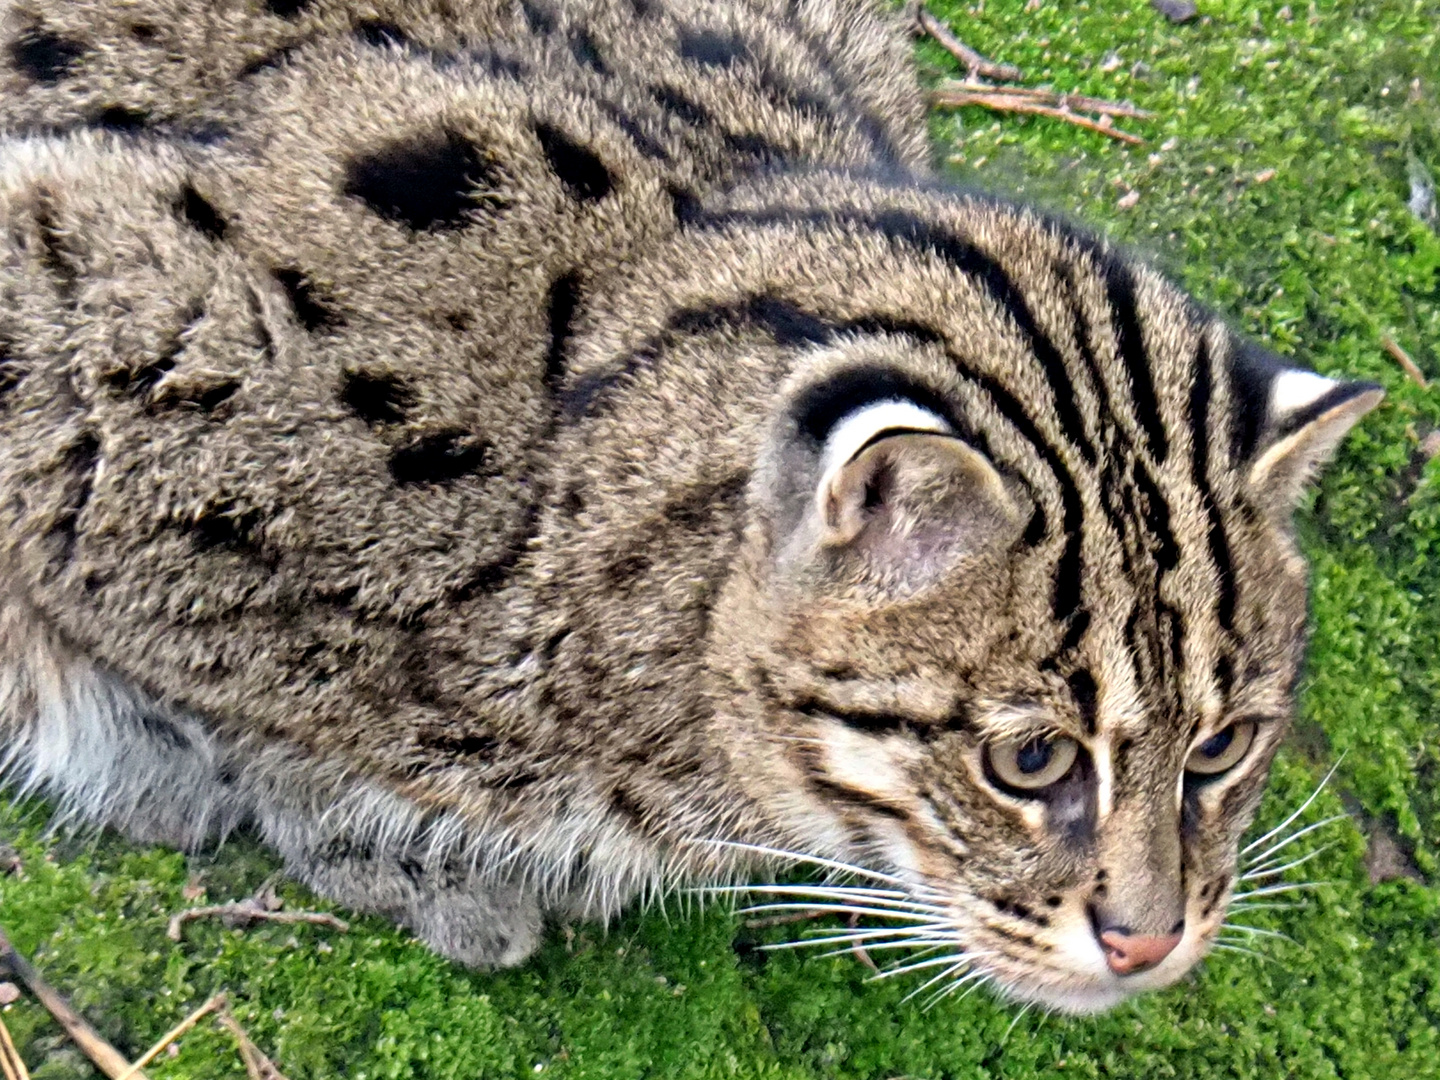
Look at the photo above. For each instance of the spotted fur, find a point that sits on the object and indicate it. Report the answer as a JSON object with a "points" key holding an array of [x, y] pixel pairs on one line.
{"points": [[511, 455]]}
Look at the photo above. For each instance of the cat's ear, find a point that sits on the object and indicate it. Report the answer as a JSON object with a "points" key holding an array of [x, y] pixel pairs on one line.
{"points": [[1296, 420], [901, 506]]}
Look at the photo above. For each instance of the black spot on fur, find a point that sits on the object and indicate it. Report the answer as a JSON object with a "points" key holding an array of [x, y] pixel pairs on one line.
{"points": [[624, 803], [81, 461], [469, 746], [141, 380], [439, 458], [121, 118], [213, 397], [220, 527], [678, 105], [686, 204], [428, 182], [144, 32], [12, 371], [287, 9], [53, 255], [564, 298], [312, 310], [197, 212], [627, 568], [159, 730], [380, 34], [579, 169], [587, 52], [539, 18], [272, 59], [44, 56], [376, 399], [638, 136], [712, 49]]}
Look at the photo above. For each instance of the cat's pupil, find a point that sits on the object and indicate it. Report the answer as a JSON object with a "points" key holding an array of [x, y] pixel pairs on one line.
{"points": [[1218, 744], [1034, 755]]}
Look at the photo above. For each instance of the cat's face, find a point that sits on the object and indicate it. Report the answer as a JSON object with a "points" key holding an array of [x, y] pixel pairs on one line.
{"points": [[1063, 797]]}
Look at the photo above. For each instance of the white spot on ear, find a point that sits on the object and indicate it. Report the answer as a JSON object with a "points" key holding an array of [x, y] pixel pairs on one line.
{"points": [[1293, 390], [855, 430]]}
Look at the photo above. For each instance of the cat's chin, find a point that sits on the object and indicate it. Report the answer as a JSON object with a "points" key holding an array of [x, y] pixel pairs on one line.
{"points": [[1080, 997], [1086, 994]]}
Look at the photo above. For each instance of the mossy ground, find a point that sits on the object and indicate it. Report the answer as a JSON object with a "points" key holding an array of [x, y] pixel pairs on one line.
{"points": [[1320, 260]]}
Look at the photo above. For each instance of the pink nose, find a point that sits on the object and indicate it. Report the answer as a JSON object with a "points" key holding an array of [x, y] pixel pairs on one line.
{"points": [[1130, 954]]}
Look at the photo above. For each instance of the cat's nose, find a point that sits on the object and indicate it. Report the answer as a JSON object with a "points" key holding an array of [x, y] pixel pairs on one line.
{"points": [[1130, 954]]}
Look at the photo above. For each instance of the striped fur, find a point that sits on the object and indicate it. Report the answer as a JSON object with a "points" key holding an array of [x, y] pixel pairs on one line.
{"points": [[510, 459]]}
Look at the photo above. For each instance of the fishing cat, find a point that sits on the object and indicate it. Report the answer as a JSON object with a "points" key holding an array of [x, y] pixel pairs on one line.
{"points": [[519, 455]]}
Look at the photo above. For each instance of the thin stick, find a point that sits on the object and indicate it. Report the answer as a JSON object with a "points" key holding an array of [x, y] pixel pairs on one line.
{"points": [[1403, 359], [257, 1065], [974, 62], [11, 1067], [1001, 101], [1060, 98], [216, 1002], [859, 950], [106, 1058], [250, 913]]}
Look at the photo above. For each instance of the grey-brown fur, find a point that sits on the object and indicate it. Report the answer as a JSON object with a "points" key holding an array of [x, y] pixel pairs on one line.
{"points": [[412, 434]]}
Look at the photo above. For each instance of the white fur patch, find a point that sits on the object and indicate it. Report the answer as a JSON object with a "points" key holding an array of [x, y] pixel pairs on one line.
{"points": [[1294, 390], [850, 435]]}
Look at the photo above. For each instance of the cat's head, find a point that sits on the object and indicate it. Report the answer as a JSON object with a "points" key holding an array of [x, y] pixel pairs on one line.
{"points": [[1019, 615]]}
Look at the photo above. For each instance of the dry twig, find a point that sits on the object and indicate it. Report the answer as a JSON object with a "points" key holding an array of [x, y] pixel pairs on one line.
{"points": [[257, 1065], [858, 951], [11, 1067], [1059, 98], [245, 911], [1403, 359], [216, 1002], [106, 1058], [1001, 99], [975, 63]]}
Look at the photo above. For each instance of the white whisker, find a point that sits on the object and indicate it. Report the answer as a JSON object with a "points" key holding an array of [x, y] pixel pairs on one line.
{"points": [[1258, 873], [1241, 949], [1303, 807], [954, 960], [800, 857], [909, 937], [821, 892], [976, 979], [1275, 890], [1290, 839], [842, 909], [1262, 906], [1020, 1016], [980, 978], [1256, 931]]}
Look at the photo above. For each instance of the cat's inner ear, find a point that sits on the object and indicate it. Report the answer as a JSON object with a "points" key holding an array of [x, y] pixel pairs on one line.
{"points": [[902, 500], [1306, 417]]}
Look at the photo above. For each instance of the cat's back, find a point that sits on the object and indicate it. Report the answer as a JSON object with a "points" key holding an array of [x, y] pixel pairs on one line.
{"points": [[288, 288]]}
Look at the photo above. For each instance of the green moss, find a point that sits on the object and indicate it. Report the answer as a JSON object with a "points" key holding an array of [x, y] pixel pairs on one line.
{"points": [[1319, 261]]}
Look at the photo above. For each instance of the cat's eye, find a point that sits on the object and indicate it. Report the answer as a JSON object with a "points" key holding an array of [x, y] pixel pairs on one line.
{"points": [[1032, 764], [1223, 750]]}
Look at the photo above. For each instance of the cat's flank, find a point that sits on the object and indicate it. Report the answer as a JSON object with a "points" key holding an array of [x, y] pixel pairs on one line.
{"points": [[518, 456]]}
